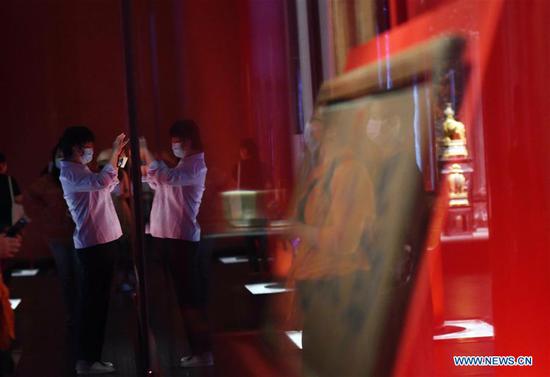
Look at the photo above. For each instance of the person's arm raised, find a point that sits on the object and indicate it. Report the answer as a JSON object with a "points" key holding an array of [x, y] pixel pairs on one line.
{"points": [[118, 145], [86, 181]]}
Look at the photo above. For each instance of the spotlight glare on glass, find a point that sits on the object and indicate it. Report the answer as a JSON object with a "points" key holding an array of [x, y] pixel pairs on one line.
{"points": [[233, 260], [23, 273], [473, 328], [267, 288], [295, 337]]}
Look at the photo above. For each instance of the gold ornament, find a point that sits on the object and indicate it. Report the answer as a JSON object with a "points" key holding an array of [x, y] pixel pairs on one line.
{"points": [[454, 139]]}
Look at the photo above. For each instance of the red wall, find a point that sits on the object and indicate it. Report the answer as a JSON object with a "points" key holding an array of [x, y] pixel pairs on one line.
{"points": [[225, 64], [62, 64], [236, 80], [58, 68], [516, 105], [209, 52]]}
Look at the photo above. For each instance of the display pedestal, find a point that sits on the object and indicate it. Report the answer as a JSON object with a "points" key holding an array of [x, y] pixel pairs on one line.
{"points": [[459, 221], [460, 216]]}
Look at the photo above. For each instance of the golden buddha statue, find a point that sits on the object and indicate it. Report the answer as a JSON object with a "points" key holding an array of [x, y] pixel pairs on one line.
{"points": [[458, 191], [454, 139]]}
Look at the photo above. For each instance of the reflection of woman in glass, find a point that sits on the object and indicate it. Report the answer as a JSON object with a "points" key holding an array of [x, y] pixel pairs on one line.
{"points": [[178, 196], [250, 173], [333, 210]]}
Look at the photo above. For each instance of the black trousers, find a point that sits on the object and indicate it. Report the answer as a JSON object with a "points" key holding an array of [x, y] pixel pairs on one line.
{"points": [[95, 273], [65, 263], [188, 265]]}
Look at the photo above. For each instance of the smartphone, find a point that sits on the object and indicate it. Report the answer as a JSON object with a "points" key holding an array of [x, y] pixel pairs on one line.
{"points": [[17, 228], [122, 160]]}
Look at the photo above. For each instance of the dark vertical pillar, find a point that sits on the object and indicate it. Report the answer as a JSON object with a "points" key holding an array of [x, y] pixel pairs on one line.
{"points": [[143, 355], [315, 51], [295, 93], [383, 22], [152, 18]]}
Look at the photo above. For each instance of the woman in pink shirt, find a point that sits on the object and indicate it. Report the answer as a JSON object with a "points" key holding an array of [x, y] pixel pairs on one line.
{"points": [[173, 224], [97, 229]]}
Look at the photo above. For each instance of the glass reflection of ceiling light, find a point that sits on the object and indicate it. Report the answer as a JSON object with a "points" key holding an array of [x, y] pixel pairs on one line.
{"points": [[267, 288], [21, 273], [295, 337], [232, 260], [239, 192], [280, 223], [14, 302], [473, 328]]}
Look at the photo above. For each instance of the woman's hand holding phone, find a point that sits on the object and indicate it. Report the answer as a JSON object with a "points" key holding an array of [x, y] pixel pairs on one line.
{"points": [[118, 145]]}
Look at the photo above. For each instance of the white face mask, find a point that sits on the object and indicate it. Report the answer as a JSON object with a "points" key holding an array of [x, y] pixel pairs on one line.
{"points": [[88, 156], [178, 150], [57, 162]]}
